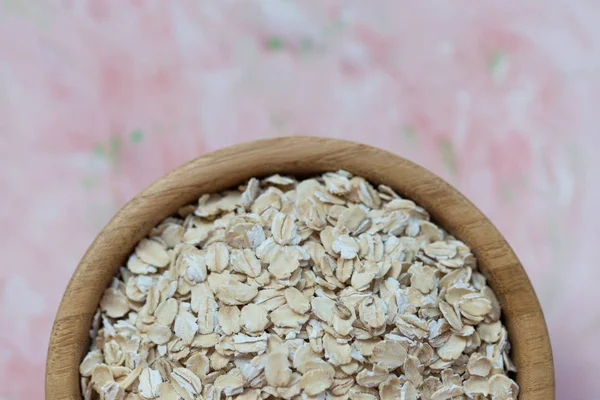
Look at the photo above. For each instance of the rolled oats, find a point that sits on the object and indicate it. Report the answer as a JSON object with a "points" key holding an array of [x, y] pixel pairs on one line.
{"points": [[315, 381], [325, 288], [92, 359], [254, 318], [150, 380]]}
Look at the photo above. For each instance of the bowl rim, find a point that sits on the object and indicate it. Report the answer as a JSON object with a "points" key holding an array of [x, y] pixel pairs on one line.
{"points": [[522, 313]]}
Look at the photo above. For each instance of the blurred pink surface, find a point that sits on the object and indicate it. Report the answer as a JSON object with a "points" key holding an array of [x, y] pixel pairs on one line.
{"points": [[100, 98]]}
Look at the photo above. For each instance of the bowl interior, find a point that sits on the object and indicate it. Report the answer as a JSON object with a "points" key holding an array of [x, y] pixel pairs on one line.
{"points": [[302, 156]]}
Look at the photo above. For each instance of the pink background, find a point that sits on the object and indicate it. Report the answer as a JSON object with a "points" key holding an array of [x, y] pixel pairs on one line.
{"points": [[100, 98]]}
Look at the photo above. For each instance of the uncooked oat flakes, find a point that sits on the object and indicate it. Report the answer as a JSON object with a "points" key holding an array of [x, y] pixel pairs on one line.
{"points": [[326, 288]]}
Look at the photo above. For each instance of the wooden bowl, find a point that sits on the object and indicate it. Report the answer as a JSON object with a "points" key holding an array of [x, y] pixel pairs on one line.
{"points": [[300, 156]]}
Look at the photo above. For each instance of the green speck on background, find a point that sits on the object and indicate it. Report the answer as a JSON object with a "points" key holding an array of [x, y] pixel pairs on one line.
{"points": [[110, 151], [334, 27], [275, 43], [136, 136], [448, 156], [89, 182], [497, 61], [114, 148], [99, 150], [32, 10], [410, 134], [306, 44], [114, 145], [507, 193], [277, 120]]}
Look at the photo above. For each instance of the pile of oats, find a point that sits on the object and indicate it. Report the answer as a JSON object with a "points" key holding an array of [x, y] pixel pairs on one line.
{"points": [[324, 288]]}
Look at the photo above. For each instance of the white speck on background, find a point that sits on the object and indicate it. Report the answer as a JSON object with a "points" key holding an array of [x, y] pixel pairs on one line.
{"points": [[288, 17], [518, 101], [356, 53], [446, 49]]}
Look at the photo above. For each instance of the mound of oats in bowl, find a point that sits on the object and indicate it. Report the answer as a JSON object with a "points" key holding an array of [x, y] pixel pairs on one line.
{"points": [[325, 288]]}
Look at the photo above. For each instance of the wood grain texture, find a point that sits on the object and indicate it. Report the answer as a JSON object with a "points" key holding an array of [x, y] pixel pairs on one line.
{"points": [[301, 156]]}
